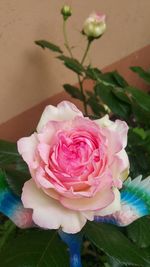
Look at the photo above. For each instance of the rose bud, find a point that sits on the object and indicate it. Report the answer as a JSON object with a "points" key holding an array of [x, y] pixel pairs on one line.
{"points": [[66, 11], [94, 26]]}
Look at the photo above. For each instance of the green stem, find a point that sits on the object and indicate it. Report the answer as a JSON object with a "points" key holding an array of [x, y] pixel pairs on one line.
{"points": [[83, 95], [66, 39], [86, 51], [71, 55], [80, 82]]}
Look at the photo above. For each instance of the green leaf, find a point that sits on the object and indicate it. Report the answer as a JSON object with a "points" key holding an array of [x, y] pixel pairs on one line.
{"points": [[8, 153], [107, 79], [16, 180], [3, 182], [142, 73], [116, 105], [113, 79], [35, 249], [45, 44], [142, 98], [142, 117], [138, 150], [95, 105], [119, 79], [140, 131], [120, 94], [139, 232], [115, 244], [73, 91], [92, 73], [72, 64], [114, 263], [7, 232]]}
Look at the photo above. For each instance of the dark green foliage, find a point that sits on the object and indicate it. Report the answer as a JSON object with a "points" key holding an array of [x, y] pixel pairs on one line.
{"points": [[95, 105], [35, 248], [145, 75], [117, 106], [119, 79], [139, 232], [140, 102], [110, 78], [8, 153], [7, 233], [73, 91], [138, 150], [14, 168], [109, 239], [72, 64], [92, 73], [16, 180], [45, 44]]}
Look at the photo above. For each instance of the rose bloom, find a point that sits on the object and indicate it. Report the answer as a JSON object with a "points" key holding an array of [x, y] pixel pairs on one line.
{"points": [[95, 25], [77, 166]]}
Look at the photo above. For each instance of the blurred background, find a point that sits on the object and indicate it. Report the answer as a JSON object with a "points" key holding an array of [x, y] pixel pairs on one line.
{"points": [[29, 75]]}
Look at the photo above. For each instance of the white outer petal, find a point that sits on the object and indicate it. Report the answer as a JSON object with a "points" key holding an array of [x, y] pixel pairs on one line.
{"points": [[120, 165], [113, 207], [116, 133], [104, 121], [26, 148], [64, 111], [48, 213]]}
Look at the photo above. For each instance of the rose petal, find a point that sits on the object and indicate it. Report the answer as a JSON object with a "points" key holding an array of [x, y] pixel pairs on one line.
{"points": [[120, 165], [41, 180], [113, 207], [44, 151], [49, 213], [64, 111], [27, 147], [99, 201], [116, 133]]}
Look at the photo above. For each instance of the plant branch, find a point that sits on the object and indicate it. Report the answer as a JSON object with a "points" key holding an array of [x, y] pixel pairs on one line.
{"points": [[79, 80], [83, 95], [86, 51], [71, 55], [66, 43]]}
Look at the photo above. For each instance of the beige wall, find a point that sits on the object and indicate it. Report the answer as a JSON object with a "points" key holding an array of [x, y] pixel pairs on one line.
{"points": [[29, 75]]}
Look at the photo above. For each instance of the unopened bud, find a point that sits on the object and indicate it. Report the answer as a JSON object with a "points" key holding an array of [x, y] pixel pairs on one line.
{"points": [[94, 26], [66, 11]]}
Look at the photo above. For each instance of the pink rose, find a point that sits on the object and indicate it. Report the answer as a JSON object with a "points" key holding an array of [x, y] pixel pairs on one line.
{"points": [[77, 166], [95, 25]]}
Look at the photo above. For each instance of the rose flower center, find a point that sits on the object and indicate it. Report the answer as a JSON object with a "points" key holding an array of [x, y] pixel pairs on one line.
{"points": [[74, 153]]}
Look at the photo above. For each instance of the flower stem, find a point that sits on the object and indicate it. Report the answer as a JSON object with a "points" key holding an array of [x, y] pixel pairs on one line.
{"points": [[83, 95], [66, 39], [80, 82], [86, 51], [71, 55]]}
